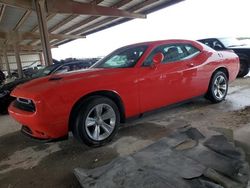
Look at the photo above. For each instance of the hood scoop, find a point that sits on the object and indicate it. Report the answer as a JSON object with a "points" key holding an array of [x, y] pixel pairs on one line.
{"points": [[55, 78]]}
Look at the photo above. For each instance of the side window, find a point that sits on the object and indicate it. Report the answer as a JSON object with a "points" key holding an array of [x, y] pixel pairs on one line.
{"points": [[192, 51], [173, 53], [63, 69], [74, 66], [124, 58]]}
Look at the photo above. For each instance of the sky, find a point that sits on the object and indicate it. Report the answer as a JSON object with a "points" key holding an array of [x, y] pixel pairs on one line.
{"points": [[191, 19]]}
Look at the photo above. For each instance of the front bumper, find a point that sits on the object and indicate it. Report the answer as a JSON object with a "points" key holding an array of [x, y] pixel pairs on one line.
{"points": [[42, 124], [28, 132]]}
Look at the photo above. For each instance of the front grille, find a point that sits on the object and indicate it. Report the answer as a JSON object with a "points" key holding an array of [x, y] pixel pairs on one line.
{"points": [[24, 104]]}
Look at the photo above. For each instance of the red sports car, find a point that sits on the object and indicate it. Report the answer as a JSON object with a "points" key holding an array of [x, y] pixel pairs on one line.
{"points": [[128, 82]]}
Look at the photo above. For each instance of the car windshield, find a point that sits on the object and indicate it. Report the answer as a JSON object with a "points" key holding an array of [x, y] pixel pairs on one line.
{"points": [[231, 42], [45, 71], [122, 58]]}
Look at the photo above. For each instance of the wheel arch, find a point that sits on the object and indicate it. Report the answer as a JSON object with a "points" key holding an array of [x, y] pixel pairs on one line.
{"points": [[105, 93], [223, 69]]}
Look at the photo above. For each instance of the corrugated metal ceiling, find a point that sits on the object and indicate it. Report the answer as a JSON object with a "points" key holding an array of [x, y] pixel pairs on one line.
{"points": [[75, 24]]}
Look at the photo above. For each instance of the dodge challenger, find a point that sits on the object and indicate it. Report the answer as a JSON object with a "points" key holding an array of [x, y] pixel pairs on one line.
{"points": [[130, 81]]}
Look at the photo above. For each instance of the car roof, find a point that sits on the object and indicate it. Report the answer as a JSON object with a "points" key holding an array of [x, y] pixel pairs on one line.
{"points": [[170, 41], [163, 42]]}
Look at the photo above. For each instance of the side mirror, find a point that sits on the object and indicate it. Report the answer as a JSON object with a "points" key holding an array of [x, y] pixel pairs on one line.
{"points": [[157, 59]]}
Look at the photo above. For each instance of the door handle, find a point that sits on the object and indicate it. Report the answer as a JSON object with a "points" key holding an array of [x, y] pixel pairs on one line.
{"points": [[190, 65]]}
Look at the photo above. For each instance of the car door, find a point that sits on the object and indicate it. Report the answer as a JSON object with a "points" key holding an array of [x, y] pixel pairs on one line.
{"points": [[169, 82]]}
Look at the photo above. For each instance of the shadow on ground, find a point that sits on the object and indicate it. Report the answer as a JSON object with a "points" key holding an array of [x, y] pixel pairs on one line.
{"points": [[55, 169]]}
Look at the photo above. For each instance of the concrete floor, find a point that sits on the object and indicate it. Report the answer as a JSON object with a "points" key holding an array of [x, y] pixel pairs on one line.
{"points": [[26, 163]]}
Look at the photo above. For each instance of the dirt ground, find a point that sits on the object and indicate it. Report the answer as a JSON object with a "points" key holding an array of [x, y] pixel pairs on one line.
{"points": [[27, 163]]}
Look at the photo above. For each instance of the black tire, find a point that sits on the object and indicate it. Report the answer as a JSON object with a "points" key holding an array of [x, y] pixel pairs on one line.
{"points": [[88, 108], [244, 69], [213, 93]]}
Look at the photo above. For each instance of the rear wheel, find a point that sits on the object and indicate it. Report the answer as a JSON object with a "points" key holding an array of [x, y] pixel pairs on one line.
{"points": [[218, 87], [97, 121], [244, 69]]}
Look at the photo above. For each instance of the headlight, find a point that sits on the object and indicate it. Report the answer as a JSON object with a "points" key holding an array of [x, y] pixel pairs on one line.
{"points": [[4, 93]]}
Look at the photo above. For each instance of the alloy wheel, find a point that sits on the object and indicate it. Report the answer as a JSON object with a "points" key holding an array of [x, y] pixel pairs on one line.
{"points": [[100, 122], [220, 87]]}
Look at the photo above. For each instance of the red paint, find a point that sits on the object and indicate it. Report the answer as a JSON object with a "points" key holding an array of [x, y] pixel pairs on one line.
{"points": [[140, 88]]}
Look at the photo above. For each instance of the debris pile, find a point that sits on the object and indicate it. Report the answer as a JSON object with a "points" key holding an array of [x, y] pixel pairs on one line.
{"points": [[185, 159]]}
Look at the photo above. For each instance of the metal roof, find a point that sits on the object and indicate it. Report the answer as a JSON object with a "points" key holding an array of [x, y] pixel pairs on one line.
{"points": [[19, 17]]}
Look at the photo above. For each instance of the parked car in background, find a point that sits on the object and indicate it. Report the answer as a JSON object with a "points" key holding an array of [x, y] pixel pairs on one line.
{"points": [[5, 90], [2, 77], [130, 81], [28, 70], [244, 40], [239, 47]]}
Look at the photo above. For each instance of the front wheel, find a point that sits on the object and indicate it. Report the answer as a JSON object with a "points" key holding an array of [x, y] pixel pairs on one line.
{"points": [[97, 121], [218, 87]]}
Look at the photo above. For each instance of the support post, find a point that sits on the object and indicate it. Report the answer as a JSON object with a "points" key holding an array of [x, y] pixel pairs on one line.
{"points": [[5, 55], [41, 59], [43, 29], [18, 61], [1, 62]]}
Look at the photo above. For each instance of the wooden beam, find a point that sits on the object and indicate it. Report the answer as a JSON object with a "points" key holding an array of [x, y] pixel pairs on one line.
{"points": [[5, 55], [71, 17], [19, 36], [97, 24], [134, 8], [18, 61], [26, 48], [22, 20], [1, 62], [41, 58], [43, 29], [36, 28], [2, 9], [72, 7], [30, 35], [66, 20], [48, 17], [25, 4], [92, 18]]}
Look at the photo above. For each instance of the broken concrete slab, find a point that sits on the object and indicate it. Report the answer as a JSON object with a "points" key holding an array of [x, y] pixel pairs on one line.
{"points": [[165, 164], [242, 139]]}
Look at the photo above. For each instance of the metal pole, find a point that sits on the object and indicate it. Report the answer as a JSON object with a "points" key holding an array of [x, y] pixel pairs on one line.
{"points": [[41, 59], [18, 61], [1, 63], [43, 29], [5, 55]]}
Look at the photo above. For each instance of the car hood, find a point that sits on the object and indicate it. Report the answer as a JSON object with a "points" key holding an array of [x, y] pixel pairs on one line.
{"points": [[88, 78]]}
